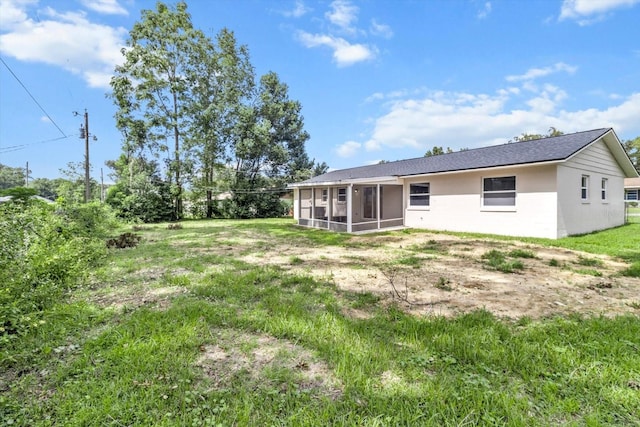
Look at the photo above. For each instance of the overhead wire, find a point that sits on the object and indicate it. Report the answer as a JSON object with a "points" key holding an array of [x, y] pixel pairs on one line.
{"points": [[32, 97]]}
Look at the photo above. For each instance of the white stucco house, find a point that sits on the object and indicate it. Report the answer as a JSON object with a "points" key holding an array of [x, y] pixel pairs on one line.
{"points": [[632, 189], [551, 187]]}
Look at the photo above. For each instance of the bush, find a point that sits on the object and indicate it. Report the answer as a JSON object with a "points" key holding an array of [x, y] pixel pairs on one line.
{"points": [[45, 250]]}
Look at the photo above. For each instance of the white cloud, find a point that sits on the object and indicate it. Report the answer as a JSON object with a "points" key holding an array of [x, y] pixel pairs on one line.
{"points": [[589, 11], [485, 11], [382, 30], [109, 7], [344, 53], [457, 120], [535, 73], [348, 149], [298, 11], [342, 15], [67, 40]]}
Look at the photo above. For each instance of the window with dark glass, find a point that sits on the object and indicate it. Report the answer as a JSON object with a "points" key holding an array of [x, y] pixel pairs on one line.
{"points": [[499, 191], [342, 195], [584, 187], [419, 194]]}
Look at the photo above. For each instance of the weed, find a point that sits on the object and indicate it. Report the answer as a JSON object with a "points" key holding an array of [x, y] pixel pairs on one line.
{"points": [[554, 262], [589, 262], [521, 253], [497, 260], [411, 261], [634, 304], [633, 271], [443, 284], [296, 260]]}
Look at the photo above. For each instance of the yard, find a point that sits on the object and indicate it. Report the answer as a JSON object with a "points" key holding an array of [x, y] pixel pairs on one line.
{"points": [[264, 323]]}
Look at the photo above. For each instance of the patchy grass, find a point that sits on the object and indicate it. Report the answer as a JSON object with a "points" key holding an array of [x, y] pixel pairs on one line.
{"points": [[247, 344], [497, 260]]}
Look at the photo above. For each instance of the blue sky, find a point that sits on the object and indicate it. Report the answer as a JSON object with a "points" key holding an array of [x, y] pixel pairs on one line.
{"points": [[377, 79]]}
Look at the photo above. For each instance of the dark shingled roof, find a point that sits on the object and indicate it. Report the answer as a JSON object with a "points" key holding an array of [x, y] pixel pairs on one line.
{"points": [[518, 153]]}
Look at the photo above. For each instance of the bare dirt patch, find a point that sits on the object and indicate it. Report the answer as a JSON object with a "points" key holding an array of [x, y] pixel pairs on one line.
{"points": [[263, 359], [418, 265]]}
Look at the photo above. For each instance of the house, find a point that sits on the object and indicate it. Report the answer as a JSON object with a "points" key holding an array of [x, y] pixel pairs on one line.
{"points": [[632, 189], [551, 187]]}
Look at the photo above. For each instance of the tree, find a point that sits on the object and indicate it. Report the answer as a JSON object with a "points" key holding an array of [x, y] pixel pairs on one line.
{"points": [[531, 136], [436, 151], [632, 146], [269, 151], [140, 193], [11, 177], [226, 84], [153, 89]]}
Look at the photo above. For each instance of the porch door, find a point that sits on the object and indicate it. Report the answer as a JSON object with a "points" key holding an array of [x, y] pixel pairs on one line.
{"points": [[369, 203]]}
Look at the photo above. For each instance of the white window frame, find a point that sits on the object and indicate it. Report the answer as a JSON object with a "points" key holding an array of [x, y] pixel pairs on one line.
{"points": [[498, 208], [325, 195], [635, 193], [342, 195], [604, 190], [584, 188], [420, 196]]}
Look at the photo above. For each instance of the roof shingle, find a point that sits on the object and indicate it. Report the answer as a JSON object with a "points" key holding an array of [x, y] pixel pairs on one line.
{"points": [[518, 153]]}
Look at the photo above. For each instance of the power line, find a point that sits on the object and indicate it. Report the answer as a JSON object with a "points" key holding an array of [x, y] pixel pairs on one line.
{"points": [[23, 146], [32, 97]]}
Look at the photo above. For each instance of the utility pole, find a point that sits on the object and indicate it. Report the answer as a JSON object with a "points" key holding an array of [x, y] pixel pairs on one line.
{"points": [[101, 186], [84, 133], [26, 175]]}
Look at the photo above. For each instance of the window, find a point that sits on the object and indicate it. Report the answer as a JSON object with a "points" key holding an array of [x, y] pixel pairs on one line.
{"points": [[419, 194], [325, 195], [584, 187], [499, 191], [342, 195], [631, 195], [603, 190]]}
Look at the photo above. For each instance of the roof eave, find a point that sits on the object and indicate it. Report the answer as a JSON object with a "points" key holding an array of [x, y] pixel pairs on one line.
{"points": [[510, 166], [372, 180]]}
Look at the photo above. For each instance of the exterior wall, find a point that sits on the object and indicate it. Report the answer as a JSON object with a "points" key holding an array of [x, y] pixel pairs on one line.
{"points": [[576, 216], [456, 204]]}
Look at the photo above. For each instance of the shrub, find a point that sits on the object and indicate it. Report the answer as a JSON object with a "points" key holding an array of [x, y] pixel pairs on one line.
{"points": [[44, 251]]}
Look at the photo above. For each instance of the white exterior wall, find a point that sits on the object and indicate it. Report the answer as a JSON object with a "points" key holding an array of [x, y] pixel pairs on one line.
{"points": [[576, 216], [456, 205]]}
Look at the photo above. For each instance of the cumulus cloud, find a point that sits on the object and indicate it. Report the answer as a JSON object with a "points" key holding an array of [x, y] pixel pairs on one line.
{"points": [[535, 73], [341, 30], [298, 10], [418, 120], [342, 15], [67, 40], [348, 149], [109, 7], [586, 12], [344, 53]]}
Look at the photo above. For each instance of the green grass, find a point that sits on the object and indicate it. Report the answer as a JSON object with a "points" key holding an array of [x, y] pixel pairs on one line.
{"points": [[497, 260], [246, 344]]}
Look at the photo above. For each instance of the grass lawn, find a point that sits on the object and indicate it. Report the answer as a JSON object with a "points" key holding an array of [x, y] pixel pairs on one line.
{"points": [[170, 334]]}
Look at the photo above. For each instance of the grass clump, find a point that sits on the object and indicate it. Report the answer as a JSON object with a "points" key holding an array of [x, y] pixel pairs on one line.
{"points": [[443, 284], [497, 260], [521, 253]]}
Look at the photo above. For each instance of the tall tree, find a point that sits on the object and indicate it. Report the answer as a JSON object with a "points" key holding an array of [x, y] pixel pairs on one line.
{"points": [[270, 149], [226, 84], [11, 177], [153, 89], [633, 150]]}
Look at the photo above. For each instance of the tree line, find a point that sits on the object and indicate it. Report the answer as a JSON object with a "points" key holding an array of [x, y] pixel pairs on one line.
{"points": [[196, 103]]}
